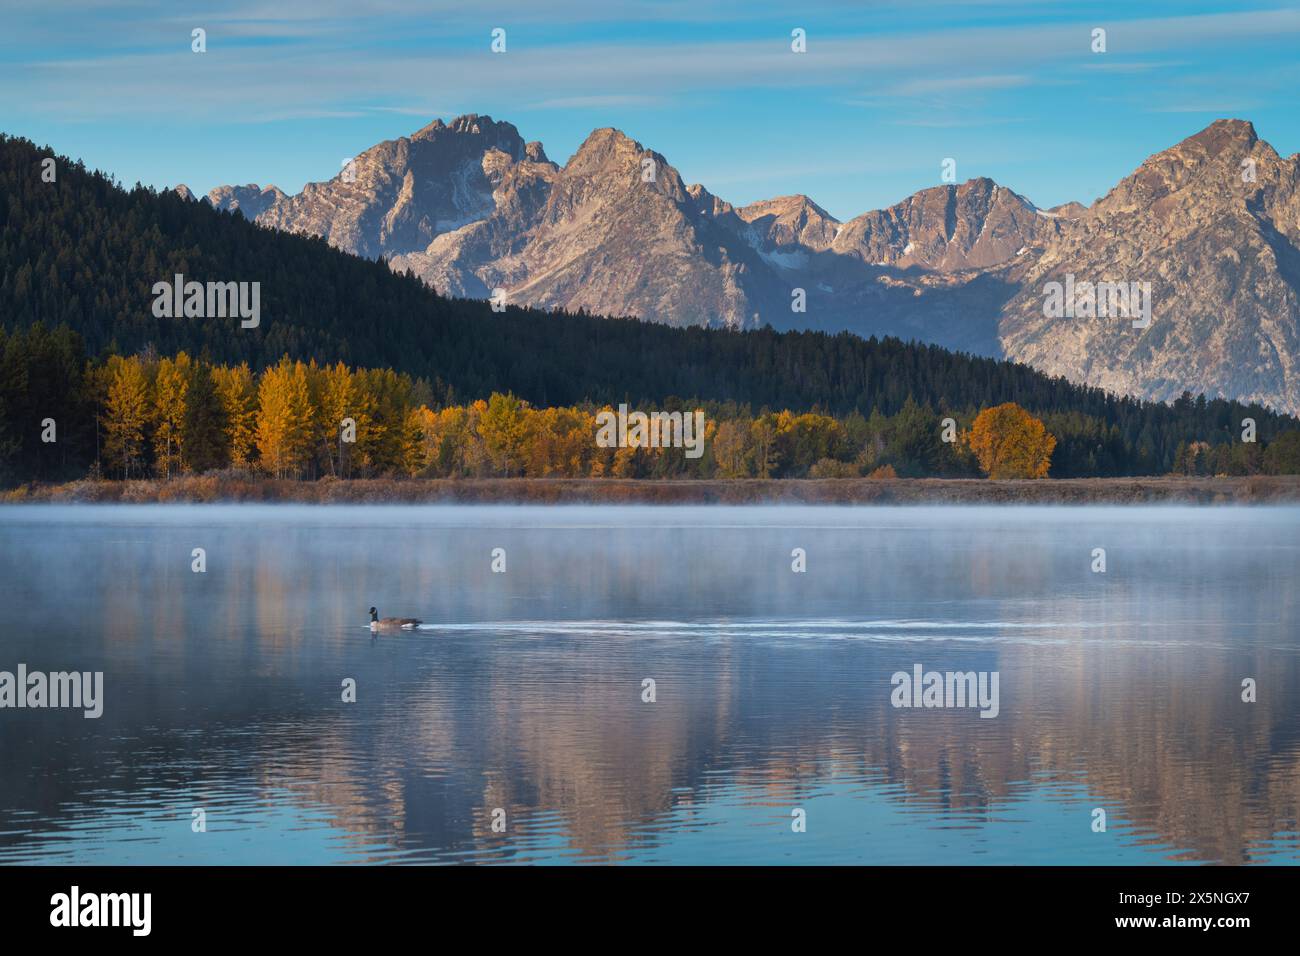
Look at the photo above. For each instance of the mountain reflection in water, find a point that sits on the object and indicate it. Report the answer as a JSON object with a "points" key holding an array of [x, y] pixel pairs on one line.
{"points": [[523, 692]]}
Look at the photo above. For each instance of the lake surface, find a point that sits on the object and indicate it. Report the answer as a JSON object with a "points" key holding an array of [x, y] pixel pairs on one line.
{"points": [[521, 701]]}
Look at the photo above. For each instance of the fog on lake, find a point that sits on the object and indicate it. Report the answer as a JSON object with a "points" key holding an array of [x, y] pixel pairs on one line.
{"points": [[653, 684]]}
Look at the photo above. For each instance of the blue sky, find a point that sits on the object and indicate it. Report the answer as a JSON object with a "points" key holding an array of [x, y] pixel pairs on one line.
{"points": [[884, 93]]}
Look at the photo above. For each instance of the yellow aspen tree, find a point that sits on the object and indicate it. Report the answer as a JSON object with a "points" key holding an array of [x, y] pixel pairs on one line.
{"points": [[365, 410], [453, 441], [416, 452], [284, 418], [502, 428], [538, 449], [763, 435], [319, 434], [300, 418], [392, 396], [1011, 443], [567, 436], [171, 385], [625, 463], [602, 457], [336, 405], [273, 419], [477, 462], [731, 449], [238, 399], [126, 415]]}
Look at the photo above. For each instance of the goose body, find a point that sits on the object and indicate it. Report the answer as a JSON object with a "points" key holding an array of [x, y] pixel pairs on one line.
{"points": [[392, 623]]}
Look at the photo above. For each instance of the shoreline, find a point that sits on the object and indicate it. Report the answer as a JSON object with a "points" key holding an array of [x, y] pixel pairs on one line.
{"points": [[1257, 489]]}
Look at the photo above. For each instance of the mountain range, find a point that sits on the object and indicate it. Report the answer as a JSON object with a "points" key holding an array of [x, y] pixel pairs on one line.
{"points": [[81, 257], [1211, 226]]}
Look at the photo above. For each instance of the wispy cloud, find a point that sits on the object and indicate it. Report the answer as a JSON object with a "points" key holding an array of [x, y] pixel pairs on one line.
{"points": [[958, 122], [926, 85], [623, 100], [1234, 108], [288, 84], [341, 74]]}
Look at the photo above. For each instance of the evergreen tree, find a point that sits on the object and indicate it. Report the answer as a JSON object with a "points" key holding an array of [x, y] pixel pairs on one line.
{"points": [[204, 428], [77, 265]]}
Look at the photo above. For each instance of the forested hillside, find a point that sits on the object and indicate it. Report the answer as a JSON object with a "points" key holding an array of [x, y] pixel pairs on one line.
{"points": [[80, 256]]}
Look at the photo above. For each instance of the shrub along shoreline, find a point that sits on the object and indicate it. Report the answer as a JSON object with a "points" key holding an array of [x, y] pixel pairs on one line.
{"points": [[233, 488]]}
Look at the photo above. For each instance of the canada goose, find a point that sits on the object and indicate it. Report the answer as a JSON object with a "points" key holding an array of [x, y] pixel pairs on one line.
{"points": [[392, 623]]}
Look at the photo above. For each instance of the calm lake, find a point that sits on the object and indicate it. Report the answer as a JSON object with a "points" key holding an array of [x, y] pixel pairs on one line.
{"points": [[514, 727]]}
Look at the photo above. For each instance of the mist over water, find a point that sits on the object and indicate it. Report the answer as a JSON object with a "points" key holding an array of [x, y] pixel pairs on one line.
{"points": [[523, 690]]}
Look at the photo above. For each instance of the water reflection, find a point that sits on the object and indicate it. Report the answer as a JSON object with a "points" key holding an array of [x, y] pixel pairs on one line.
{"points": [[524, 693]]}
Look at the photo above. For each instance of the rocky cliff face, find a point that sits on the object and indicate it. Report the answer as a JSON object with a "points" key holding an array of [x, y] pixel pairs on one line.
{"points": [[1220, 255], [976, 225], [614, 231], [472, 208], [251, 200], [399, 196]]}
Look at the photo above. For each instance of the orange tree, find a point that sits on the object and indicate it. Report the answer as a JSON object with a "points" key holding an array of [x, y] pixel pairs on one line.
{"points": [[1011, 443]]}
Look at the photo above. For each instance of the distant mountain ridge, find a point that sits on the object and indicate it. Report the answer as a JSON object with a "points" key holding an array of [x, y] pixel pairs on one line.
{"points": [[1222, 252], [79, 261], [471, 208]]}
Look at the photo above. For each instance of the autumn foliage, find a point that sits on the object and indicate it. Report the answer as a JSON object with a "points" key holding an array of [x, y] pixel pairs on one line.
{"points": [[152, 416], [1010, 443]]}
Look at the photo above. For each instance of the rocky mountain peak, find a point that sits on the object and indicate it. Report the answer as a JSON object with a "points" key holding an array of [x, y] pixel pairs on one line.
{"points": [[534, 153], [1208, 230], [605, 148], [797, 206], [1067, 210], [471, 208], [475, 132], [1209, 163], [790, 220], [973, 225], [250, 200], [707, 204], [611, 163], [473, 123], [1223, 134]]}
